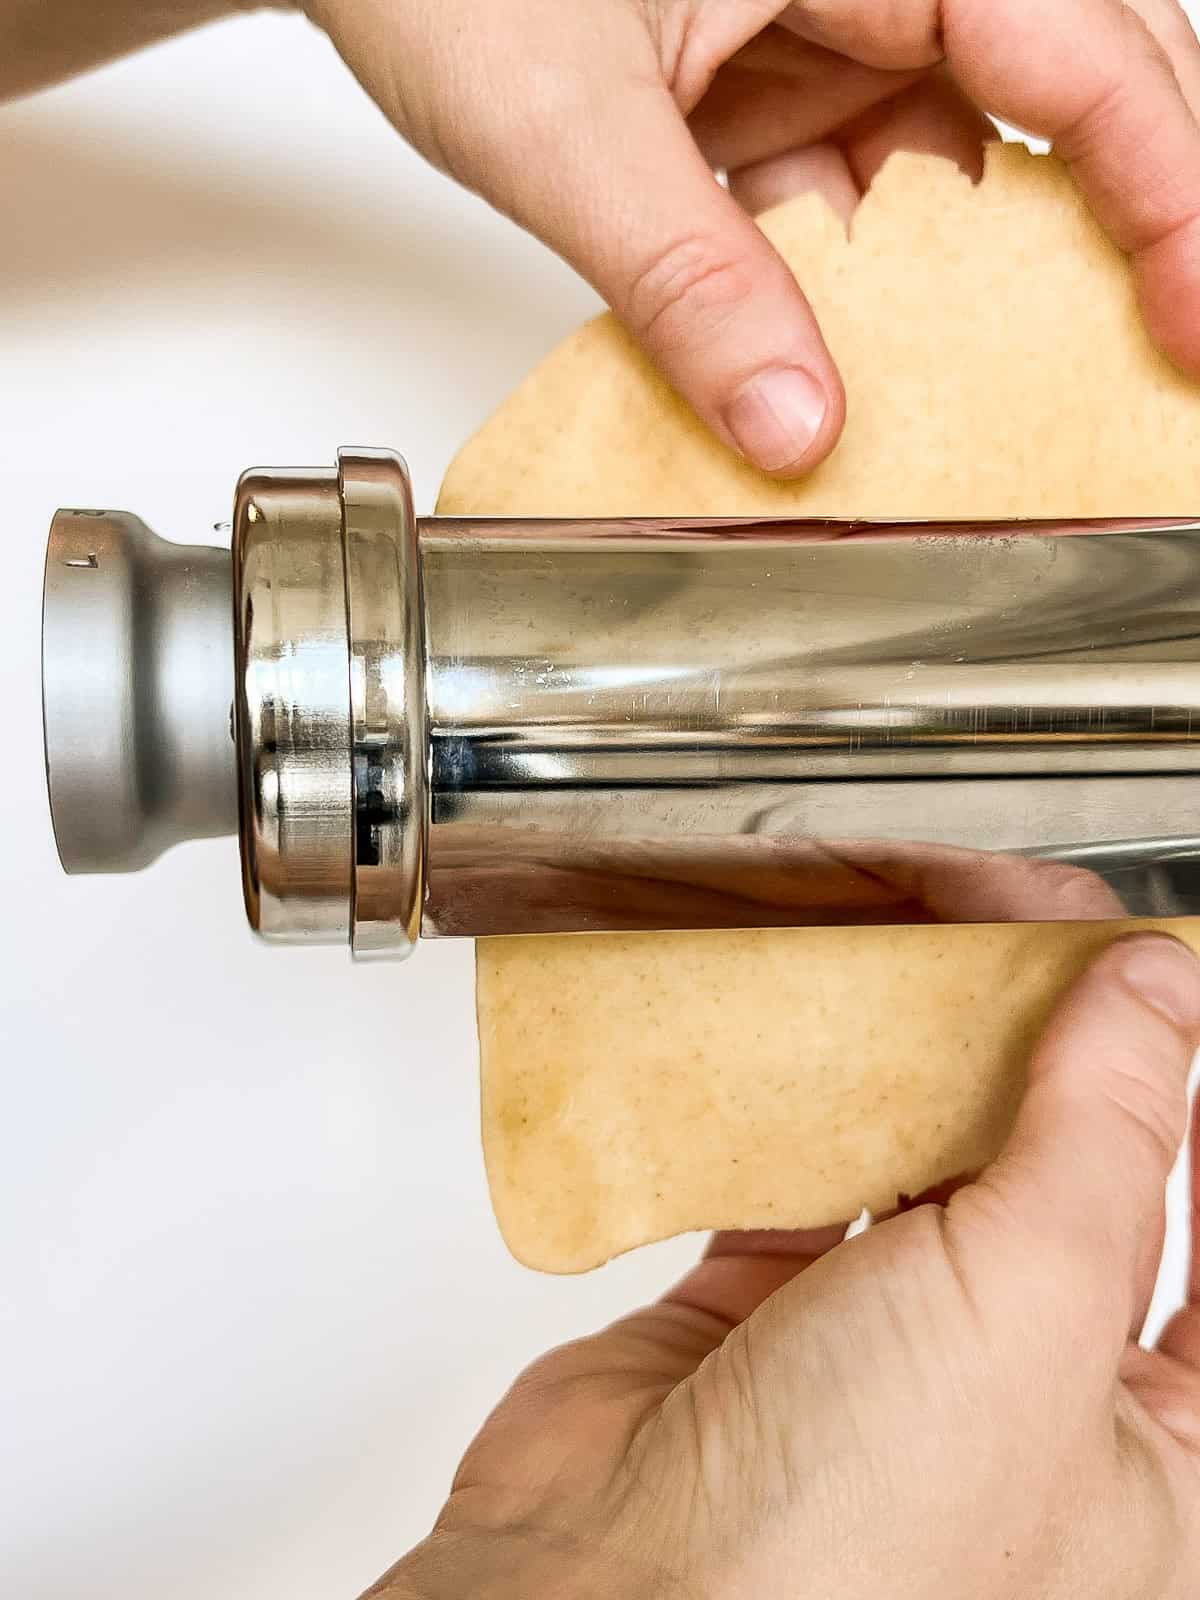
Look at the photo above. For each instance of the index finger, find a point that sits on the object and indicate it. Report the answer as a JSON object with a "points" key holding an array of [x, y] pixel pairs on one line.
{"points": [[1091, 77]]}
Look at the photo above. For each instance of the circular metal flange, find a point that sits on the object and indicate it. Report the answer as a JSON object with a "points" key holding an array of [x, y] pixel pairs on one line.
{"points": [[292, 705], [330, 704], [389, 741]]}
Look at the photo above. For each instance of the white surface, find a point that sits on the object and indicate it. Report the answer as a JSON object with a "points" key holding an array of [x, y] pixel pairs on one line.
{"points": [[252, 1299]]}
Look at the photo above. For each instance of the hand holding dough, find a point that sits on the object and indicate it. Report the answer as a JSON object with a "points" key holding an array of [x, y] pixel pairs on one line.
{"points": [[636, 1086], [597, 125]]}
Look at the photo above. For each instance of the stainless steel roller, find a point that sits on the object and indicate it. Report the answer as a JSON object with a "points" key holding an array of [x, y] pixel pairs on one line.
{"points": [[436, 726]]}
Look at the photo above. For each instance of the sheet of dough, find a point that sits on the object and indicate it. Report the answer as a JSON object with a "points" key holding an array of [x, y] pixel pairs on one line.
{"points": [[639, 1086]]}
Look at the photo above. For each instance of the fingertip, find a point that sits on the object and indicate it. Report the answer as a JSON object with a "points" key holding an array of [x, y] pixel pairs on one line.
{"points": [[786, 419], [720, 312], [1163, 973], [819, 169]]}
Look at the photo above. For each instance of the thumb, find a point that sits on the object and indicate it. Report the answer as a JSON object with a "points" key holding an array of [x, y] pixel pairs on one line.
{"points": [[1081, 1184], [694, 280], [578, 138]]}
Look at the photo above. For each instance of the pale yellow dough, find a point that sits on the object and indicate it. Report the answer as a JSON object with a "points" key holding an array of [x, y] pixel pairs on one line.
{"points": [[638, 1086]]}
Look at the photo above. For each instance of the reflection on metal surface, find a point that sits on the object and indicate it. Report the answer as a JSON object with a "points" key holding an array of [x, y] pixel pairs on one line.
{"points": [[385, 623], [466, 727], [740, 724]]}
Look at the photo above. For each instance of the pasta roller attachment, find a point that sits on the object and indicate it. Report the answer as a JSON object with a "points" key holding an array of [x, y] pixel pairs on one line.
{"points": [[432, 726]]}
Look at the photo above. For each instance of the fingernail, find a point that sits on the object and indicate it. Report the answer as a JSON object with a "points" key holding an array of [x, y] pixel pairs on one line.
{"points": [[776, 416], [1166, 975]]}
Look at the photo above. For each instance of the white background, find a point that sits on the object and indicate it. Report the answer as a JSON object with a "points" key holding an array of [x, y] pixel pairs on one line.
{"points": [[252, 1299]]}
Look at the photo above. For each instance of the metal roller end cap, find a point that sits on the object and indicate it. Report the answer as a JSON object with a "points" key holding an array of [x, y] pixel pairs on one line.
{"points": [[137, 683]]}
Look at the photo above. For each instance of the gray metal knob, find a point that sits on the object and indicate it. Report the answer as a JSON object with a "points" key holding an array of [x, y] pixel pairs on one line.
{"points": [[137, 686]]}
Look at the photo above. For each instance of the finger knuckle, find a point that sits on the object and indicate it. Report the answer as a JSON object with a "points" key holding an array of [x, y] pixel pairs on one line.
{"points": [[926, 1261], [1150, 1099], [1105, 110], [895, 33], [987, 1245], [1093, 121], [690, 289]]}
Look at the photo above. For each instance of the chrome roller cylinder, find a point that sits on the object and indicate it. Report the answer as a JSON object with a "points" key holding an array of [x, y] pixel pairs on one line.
{"points": [[739, 724], [464, 727]]}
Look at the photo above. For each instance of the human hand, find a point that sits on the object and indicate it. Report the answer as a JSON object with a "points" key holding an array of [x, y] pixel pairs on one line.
{"points": [[597, 127], [551, 882], [951, 1404]]}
